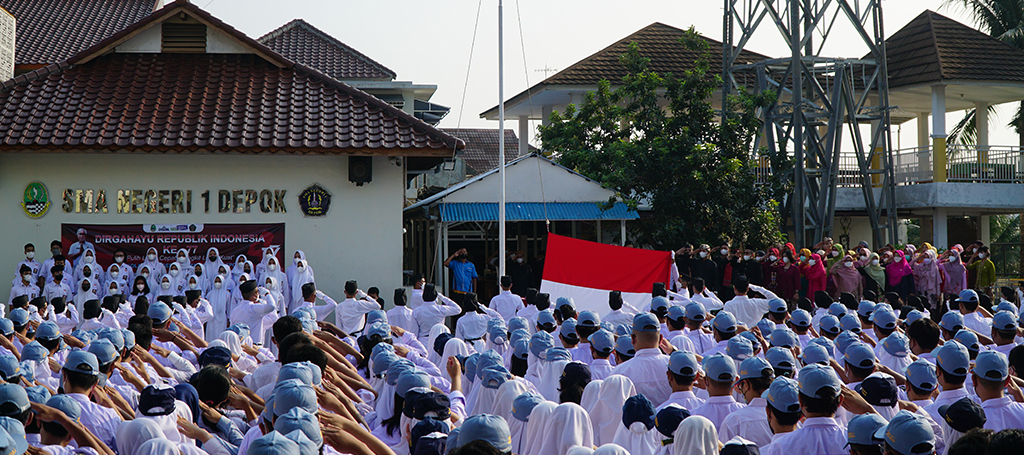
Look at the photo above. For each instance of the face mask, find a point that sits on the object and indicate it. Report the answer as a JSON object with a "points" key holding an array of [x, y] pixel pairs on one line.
{"points": [[174, 272], [723, 251], [26, 277], [89, 259], [812, 262], [30, 255], [927, 260], [272, 267], [982, 255], [835, 254], [848, 264], [296, 260], [898, 259], [213, 258], [786, 260], [58, 277], [758, 258], [519, 260], [803, 258], [199, 272], [182, 259], [141, 287], [300, 268], [55, 251], [247, 270], [192, 285], [217, 284], [773, 258], [703, 254], [87, 273], [151, 257], [863, 258], [145, 274], [118, 259], [746, 257], [85, 286], [165, 285], [874, 262], [114, 291], [270, 285], [113, 273]]}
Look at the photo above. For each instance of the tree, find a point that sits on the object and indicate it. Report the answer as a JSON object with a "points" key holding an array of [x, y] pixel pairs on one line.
{"points": [[655, 140]]}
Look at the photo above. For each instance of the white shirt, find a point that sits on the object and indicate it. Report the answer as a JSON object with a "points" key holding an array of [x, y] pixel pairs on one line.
{"points": [[945, 397], [647, 371], [600, 369], [688, 400], [708, 299], [975, 321], [719, 348], [51, 290], [818, 314], [749, 310], [30, 290], [415, 299], [507, 304], [401, 316], [349, 314], [433, 313], [252, 313], [622, 315], [716, 409], [749, 422], [101, 421], [819, 435], [701, 340], [1004, 349], [1003, 413]]}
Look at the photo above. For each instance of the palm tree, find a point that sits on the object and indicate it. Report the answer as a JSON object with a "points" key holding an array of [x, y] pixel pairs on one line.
{"points": [[1004, 20]]}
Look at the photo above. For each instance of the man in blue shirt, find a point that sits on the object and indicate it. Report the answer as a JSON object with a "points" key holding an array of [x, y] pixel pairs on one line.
{"points": [[463, 276]]}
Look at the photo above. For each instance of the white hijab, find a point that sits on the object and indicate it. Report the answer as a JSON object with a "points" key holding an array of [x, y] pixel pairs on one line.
{"points": [[569, 426], [696, 435], [157, 447], [159, 291], [579, 450], [385, 405], [236, 268], [607, 411], [454, 347], [549, 376], [296, 281], [131, 434], [274, 286], [508, 392], [82, 296], [637, 439], [290, 272], [211, 266], [435, 332], [611, 449], [537, 425], [155, 267], [278, 274], [590, 394]]}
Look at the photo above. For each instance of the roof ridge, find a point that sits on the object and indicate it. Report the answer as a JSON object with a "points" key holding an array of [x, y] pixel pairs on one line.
{"points": [[935, 41], [30, 76], [300, 22], [607, 48]]}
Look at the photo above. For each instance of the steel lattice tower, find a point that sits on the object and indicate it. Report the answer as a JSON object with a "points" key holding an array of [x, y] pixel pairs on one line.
{"points": [[819, 98]]}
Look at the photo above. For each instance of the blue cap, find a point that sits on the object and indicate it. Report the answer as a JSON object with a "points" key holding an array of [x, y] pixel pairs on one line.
{"points": [[967, 295], [921, 374], [568, 330], [545, 318], [488, 428], [624, 346], [906, 431], [751, 338], [896, 344], [724, 322], [777, 306], [837, 309], [471, 363], [496, 333], [695, 311], [814, 378], [638, 408], [815, 353], [602, 341], [519, 334], [382, 361], [14, 394], [608, 326], [10, 367], [19, 316], [308, 312], [719, 367], [826, 343], [307, 372], [862, 428], [783, 395], [754, 367], [494, 376], [676, 313], [953, 358], [884, 318], [377, 348], [523, 405], [912, 316], [669, 418], [376, 316], [782, 337], [273, 443], [765, 326], [739, 348], [659, 303], [129, 338], [845, 339], [67, 405], [6, 326], [952, 321], [301, 420], [401, 366], [965, 337], [800, 318], [159, 312], [565, 301], [588, 318], [452, 442], [411, 380], [557, 353], [865, 308], [623, 329], [829, 324], [859, 355], [293, 393], [7, 444], [646, 322], [115, 336], [780, 358], [380, 329], [216, 355], [488, 358], [82, 362], [517, 323], [992, 365], [849, 322], [37, 394], [242, 329], [16, 430], [683, 363], [104, 351], [306, 446], [521, 349], [540, 342], [1005, 305], [1004, 320]]}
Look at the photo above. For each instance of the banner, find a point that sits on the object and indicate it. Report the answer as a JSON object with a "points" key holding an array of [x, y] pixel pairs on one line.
{"points": [[587, 271], [196, 238]]}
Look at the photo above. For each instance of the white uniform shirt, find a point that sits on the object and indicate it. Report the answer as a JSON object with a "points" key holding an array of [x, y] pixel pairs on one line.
{"points": [[401, 316], [975, 321], [433, 313], [349, 314], [1003, 413], [749, 310], [507, 304], [415, 299], [819, 435], [701, 340], [716, 409], [688, 400], [719, 348], [51, 290], [749, 422], [647, 371], [945, 397], [252, 313], [101, 421], [600, 369], [708, 299], [30, 290]]}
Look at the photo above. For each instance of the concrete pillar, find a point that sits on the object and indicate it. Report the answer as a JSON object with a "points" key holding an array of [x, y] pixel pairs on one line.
{"points": [[938, 133], [599, 232], [940, 228], [524, 135], [923, 141], [981, 124], [985, 223], [924, 145], [622, 230], [545, 112]]}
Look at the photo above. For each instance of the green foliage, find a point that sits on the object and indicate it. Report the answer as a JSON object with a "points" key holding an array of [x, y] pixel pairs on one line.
{"points": [[656, 141]]}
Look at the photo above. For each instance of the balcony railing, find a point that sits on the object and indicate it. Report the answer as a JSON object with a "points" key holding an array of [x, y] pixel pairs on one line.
{"points": [[992, 164]]}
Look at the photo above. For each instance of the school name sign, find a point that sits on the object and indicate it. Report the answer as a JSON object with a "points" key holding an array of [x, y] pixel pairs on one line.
{"points": [[153, 201]]}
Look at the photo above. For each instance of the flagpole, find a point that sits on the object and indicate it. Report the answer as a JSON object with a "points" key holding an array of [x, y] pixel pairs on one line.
{"points": [[501, 146]]}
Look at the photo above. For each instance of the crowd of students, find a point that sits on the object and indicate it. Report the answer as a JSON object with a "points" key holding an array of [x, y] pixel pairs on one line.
{"points": [[238, 365]]}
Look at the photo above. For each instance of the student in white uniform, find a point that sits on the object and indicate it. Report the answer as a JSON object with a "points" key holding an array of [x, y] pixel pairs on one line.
{"points": [[861, 433], [602, 342], [748, 310], [921, 382], [974, 319], [667, 420], [782, 408], [621, 311], [820, 396], [719, 377], [401, 314], [705, 297], [646, 368], [683, 372], [350, 313], [472, 326], [506, 303], [34, 267], [1004, 332], [252, 310], [750, 422], [433, 311], [951, 370], [991, 374], [907, 434], [701, 340], [26, 285]]}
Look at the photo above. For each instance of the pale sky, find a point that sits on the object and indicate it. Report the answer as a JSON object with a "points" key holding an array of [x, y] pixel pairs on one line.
{"points": [[428, 42]]}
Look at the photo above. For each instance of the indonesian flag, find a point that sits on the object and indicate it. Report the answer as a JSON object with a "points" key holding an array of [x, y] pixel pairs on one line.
{"points": [[588, 271]]}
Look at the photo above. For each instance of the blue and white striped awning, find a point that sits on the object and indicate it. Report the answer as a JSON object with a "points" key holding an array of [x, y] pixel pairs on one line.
{"points": [[534, 211]]}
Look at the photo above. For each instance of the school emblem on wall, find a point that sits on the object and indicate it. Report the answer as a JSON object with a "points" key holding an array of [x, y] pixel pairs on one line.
{"points": [[36, 200], [314, 201]]}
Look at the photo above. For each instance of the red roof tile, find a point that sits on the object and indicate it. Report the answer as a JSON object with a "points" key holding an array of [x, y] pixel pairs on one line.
{"points": [[51, 31], [481, 152], [308, 45]]}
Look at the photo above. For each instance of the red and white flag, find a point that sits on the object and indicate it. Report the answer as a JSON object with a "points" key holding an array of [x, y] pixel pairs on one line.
{"points": [[587, 271]]}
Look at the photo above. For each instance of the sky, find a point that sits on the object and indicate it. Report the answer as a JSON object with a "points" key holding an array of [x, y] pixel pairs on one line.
{"points": [[431, 42]]}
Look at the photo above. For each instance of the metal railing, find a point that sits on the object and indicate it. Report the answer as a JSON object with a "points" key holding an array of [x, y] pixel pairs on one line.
{"points": [[966, 163]]}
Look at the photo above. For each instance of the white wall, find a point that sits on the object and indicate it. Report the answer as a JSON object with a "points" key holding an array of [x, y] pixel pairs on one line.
{"points": [[360, 238]]}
